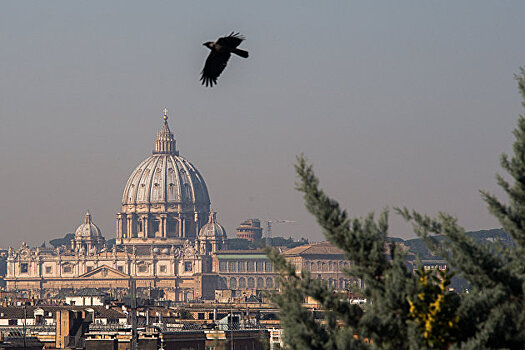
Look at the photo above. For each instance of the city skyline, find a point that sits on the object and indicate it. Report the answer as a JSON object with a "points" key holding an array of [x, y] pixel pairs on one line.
{"points": [[389, 115]]}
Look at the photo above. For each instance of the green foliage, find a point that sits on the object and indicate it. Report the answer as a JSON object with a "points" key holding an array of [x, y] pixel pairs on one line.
{"points": [[388, 283], [408, 311], [433, 309], [66, 240], [302, 330], [419, 247], [244, 244], [239, 244], [111, 242], [492, 314], [283, 242], [185, 314]]}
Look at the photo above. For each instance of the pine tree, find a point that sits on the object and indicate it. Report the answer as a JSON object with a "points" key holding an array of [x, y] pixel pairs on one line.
{"points": [[407, 310]]}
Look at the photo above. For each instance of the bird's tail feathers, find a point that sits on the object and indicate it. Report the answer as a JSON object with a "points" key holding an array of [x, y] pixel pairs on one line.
{"points": [[241, 53]]}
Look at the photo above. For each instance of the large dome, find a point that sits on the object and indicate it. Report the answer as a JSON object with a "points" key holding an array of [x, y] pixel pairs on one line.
{"points": [[164, 198], [166, 178]]}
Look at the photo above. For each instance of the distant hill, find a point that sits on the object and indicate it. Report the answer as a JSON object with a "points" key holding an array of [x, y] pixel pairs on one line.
{"points": [[418, 247]]}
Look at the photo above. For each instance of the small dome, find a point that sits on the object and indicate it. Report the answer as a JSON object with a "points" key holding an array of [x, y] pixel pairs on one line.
{"points": [[212, 229], [88, 229]]}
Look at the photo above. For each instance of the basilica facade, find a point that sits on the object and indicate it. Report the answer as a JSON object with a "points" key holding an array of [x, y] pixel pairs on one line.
{"points": [[165, 237]]}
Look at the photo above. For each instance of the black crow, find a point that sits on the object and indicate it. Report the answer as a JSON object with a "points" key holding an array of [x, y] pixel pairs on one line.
{"points": [[221, 51]]}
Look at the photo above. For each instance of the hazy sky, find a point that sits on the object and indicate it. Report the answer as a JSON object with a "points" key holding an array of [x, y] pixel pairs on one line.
{"points": [[395, 102]]}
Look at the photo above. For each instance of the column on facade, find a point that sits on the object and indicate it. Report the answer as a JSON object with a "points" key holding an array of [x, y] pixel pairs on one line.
{"points": [[129, 224], [163, 225], [39, 273], [146, 225], [196, 219], [121, 225]]}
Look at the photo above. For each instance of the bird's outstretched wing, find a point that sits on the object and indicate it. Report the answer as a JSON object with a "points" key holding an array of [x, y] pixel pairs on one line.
{"points": [[233, 40], [215, 64]]}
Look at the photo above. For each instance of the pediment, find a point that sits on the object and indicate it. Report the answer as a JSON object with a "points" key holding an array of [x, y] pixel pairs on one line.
{"points": [[103, 272]]}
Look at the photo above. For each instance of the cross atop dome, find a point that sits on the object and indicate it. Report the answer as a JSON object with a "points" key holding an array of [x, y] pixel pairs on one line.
{"points": [[165, 143]]}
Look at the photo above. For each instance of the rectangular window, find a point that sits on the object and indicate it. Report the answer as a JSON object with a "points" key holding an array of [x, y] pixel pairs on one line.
{"points": [[24, 267], [120, 268], [48, 270], [232, 266], [223, 266], [251, 266], [89, 268], [143, 268], [162, 268], [67, 269], [268, 266], [242, 266], [187, 266]]}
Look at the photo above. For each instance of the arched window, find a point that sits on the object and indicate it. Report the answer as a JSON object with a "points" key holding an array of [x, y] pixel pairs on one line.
{"points": [[260, 282], [242, 283], [318, 266], [269, 282], [233, 283], [251, 282]]}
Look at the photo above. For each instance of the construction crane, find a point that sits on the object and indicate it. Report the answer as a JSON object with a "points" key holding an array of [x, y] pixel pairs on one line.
{"points": [[269, 223]]}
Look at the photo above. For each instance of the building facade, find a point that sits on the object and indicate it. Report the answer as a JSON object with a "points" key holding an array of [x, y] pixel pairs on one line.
{"points": [[166, 238], [250, 229]]}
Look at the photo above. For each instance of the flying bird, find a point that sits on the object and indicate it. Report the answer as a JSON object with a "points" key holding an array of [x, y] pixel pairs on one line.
{"points": [[221, 51]]}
